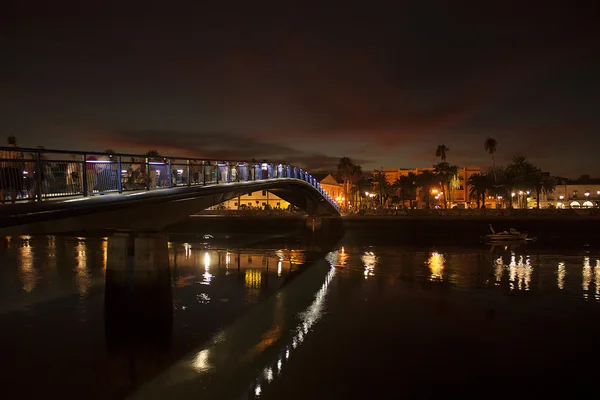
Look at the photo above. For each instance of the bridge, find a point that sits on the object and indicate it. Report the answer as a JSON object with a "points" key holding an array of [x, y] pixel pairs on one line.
{"points": [[52, 191]]}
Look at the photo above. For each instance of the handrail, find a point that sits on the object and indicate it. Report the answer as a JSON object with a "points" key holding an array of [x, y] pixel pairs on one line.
{"points": [[100, 153], [39, 178]]}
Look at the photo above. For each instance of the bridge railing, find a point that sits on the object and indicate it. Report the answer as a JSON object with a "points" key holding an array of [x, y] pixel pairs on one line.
{"points": [[38, 174]]}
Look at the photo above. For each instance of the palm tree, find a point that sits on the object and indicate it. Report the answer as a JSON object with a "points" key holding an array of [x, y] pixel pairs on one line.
{"points": [[425, 180], [363, 185], [542, 183], [490, 145], [383, 187], [346, 172], [406, 185], [478, 186], [154, 155], [523, 172], [447, 174], [441, 151]]}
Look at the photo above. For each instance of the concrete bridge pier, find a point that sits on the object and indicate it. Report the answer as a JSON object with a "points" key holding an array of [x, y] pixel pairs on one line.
{"points": [[138, 303]]}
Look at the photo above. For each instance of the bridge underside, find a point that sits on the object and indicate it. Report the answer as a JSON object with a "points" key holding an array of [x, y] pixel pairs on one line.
{"points": [[154, 212]]}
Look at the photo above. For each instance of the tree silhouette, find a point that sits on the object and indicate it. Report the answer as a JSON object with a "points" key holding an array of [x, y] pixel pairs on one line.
{"points": [[425, 180], [490, 145], [441, 151], [348, 173], [478, 186], [406, 185]]}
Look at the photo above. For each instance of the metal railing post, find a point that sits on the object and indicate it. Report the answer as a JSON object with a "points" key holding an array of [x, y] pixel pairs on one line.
{"points": [[189, 181], [147, 173], [85, 177], [203, 173], [170, 173], [217, 172], [38, 177], [119, 176]]}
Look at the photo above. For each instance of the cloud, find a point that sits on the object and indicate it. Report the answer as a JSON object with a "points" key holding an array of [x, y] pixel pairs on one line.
{"points": [[214, 146]]}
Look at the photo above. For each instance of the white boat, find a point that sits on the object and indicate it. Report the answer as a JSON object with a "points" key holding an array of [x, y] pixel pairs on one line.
{"points": [[504, 237]]}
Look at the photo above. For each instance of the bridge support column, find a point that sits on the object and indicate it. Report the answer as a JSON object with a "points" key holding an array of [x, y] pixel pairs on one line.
{"points": [[138, 303]]}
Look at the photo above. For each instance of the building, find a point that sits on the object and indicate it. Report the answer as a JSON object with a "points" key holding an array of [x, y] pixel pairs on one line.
{"points": [[332, 186], [583, 192], [458, 196], [255, 200]]}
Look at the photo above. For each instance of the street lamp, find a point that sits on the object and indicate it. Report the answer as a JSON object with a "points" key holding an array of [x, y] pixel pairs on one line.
{"points": [[561, 197], [587, 194]]}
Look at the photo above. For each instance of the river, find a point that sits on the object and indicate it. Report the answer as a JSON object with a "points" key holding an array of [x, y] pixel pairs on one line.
{"points": [[285, 317]]}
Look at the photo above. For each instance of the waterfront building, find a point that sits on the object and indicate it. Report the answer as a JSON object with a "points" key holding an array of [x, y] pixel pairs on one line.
{"points": [[458, 196], [259, 199], [583, 192], [332, 186]]}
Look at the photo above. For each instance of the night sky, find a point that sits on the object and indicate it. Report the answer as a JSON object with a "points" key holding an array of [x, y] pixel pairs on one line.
{"points": [[382, 84]]}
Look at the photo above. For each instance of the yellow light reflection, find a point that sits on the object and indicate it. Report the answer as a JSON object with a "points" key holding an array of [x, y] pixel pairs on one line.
{"points": [[207, 275], [227, 259], [436, 264], [342, 257], [253, 278], [104, 250], [279, 267], [27, 273], [498, 270], [561, 274], [369, 260], [83, 278], [188, 250], [597, 280], [587, 277]]}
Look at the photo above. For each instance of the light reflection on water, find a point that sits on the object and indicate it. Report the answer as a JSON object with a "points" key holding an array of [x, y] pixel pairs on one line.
{"points": [[81, 264], [27, 272], [436, 263], [307, 320], [83, 277]]}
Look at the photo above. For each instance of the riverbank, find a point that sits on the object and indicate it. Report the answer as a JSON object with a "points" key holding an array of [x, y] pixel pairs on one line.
{"points": [[560, 230]]}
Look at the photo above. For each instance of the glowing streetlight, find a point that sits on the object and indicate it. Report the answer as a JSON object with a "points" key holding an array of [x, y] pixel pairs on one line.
{"points": [[561, 197], [587, 194], [520, 193], [513, 194]]}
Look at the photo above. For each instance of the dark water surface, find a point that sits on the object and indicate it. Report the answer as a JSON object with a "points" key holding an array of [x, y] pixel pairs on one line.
{"points": [[290, 318]]}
